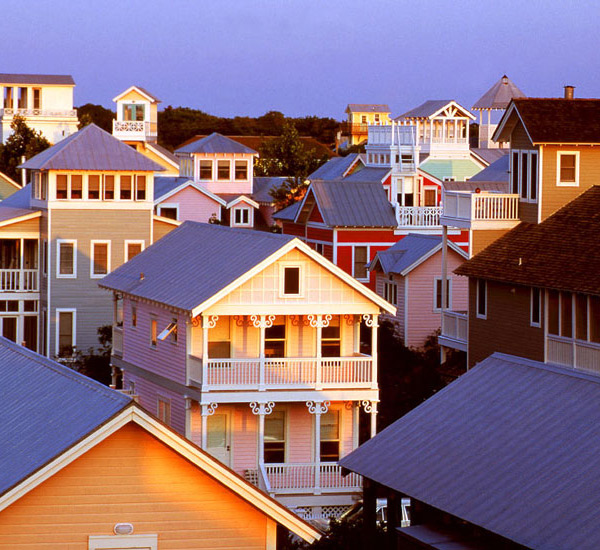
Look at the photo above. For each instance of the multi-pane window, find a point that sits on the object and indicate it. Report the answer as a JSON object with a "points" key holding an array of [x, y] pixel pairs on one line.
{"points": [[94, 187], [330, 436], [331, 339], [481, 298], [223, 169], [133, 112], [275, 338], [524, 174], [100, 258], [66, 333], [438, 294], [241, 170], [360, 262], [206, 167], [291, 281], [574, 316], [390, 291], [125, 190], [241, 216], [274, 443], [568, 168], [67, 265]]}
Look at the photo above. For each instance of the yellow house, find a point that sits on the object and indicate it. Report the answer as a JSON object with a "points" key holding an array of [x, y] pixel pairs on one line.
{"points": [[360, 117]]}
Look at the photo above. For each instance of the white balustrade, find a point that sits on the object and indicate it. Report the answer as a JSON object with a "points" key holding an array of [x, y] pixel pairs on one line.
{"points": [[392, 135], [300, 478], [464, 205], [134, 128], [454, 325], [18, 280], [418, 216], [38, 112], [573, 353]]}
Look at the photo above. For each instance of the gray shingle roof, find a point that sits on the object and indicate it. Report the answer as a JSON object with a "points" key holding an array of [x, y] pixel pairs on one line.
{"points": [[192, 263], [368, 108], [216, 143], [406, 252], [353, 204], [499, 95], [91, 148], [425, 109], [369, 174], [59, 79], [262, 186], [511, 446], [334, 168], [45, 409]]}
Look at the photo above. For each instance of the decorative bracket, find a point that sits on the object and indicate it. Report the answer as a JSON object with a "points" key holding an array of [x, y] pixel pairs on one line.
{"points": [[258, 323], [318, 407], [370, 320], [349, 319], [209, 409], [262, 408], [315, 322], [196, 321], [210, 321], [369, 406]]}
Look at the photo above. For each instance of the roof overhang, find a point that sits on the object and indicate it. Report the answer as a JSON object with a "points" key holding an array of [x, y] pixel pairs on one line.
{"points": [[508, 122], [431, 253], [23, 218], [158, 218], [149, 145], [190, 183], [139, 91], [243, 198]]}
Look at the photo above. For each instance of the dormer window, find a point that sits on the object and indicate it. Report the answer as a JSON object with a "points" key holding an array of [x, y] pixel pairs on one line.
{"points": [[223, 170], [241, 216]]}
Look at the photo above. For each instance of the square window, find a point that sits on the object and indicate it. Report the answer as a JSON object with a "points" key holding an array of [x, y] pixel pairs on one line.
{"points": [[241, 170], [223, 169], [291, 281], [206, 167]]}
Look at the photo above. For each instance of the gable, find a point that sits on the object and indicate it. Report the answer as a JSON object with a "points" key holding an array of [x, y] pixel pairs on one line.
{"points": [[133, 95], [315, 215]]}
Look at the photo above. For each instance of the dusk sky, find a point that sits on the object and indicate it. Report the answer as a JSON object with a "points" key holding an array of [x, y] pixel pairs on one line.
{"points": [[304, 57]]}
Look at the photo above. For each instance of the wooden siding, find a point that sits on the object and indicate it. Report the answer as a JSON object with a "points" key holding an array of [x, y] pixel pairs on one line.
{"points": [[528, 211], [367, 236], [319, 234], [93, 304], [519, 138], [315, 215], [160, 229], [194, 205], [481, 238], [507, 327], [132, 477], [555, 197], [27, 229], [167, 359], [296, 229]]}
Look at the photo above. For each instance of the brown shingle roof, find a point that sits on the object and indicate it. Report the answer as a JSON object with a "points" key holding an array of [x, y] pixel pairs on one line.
{"points": [[560, 120], [562, 252]]}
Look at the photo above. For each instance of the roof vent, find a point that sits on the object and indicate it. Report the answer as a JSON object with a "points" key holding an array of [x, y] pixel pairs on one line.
{"points": [[569, 92], [505, 80], [141, 276]]}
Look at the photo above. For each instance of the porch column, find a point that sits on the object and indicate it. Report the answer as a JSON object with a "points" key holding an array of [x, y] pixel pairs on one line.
{"points": [[355, 424], [208, 321], [444, 270], [188, 417], [371, 322], [208, 409], [455, 131], [444, 131], [317, 408], [262, 322], [318, 322], [261, 409], [370, 407]]}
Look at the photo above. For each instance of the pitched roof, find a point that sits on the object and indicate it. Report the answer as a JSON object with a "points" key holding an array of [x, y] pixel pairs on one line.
{"points": [[163, 151], [49, 79], [368, 108], [91, 148], [58, 408], [215, 143], [562, 252], [499, 95], [558, 120], [335, 168], [495, 172], [184, 276], [262, 186], [16, 206], [8, 186], [369, 174], [460, 169], [489, 155], [352, 204], [426, 109], [288, 213], [405, 255], [164, 186], [509, 446]]}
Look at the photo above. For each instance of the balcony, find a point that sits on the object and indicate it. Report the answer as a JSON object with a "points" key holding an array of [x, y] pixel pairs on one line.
{"points": [[480, 210], [136, 130], [117, 341], [41, 113], [573, 353], [19, 280], [454, 330], [418, 216], [350, 129], [392, 135]]}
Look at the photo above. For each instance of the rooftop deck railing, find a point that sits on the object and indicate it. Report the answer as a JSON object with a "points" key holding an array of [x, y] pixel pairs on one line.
{"points": [[39, 112], [134, 128], [464, 205], [418, 216]]}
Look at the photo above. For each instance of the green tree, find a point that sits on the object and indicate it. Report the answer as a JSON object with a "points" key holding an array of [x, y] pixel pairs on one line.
{"points": [[23, 142], [97, 114]]}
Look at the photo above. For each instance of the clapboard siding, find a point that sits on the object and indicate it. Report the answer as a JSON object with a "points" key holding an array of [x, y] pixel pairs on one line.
{"points": [[194, 205]]}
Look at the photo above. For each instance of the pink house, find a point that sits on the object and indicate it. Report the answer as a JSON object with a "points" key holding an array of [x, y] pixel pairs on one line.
{"points": [[249, 344], [408, 275]]}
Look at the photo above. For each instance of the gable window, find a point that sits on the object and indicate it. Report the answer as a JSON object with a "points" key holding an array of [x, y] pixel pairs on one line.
{"points": [[241, 216], [360, 263], [65, 332], [140, 188], [109, 188], [132, 249], [223, 169], [275, 338], [568, 168], [94, 187], [100, 258], [438, 294], [241, 170], [390, 291], [536, 307], [67, 260], [481, 298], [163, 410], [274, 442], [330, 436], [125, 190], [170, 211], [291, 281], [330, 338], [206, 168]]}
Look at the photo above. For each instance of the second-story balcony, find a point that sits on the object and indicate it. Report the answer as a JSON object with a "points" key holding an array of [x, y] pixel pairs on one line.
{"points": [[480, 210], [350, 128], [19, 280], [454, 330], [418, 216], [136, 130], [41, 113], [393, 135]]}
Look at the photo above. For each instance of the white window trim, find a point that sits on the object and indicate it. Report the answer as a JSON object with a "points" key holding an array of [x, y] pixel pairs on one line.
{"points": [[107, 542], [132, 241], [216, 174], [118, 187], [435, 283], [247, 169], [86, 187], [282, 267], [531, 321], [484, 314], [354, 247], [387, 283], [529, 154], [212, 169], [115, 188], [558, 157], [58, 311], [286, 432], [92, 244], [174, 205], [58, 243], [250, 216]]}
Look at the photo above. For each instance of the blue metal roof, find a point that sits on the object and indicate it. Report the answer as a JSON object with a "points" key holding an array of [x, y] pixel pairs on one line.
{"points": [[426, 109], [511, 446], [369, 174], [192, 263], [91, 148], [45, 408], [496, 172], [166, 184], [216, 143], [334, 168], [262, 186], [288, 213], [406, 252]]}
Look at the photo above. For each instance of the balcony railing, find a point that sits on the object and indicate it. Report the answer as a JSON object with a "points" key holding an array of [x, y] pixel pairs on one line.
{"points": [[448, 140], [117, 341], [288, 372], [573, 353], [455, 328], [134, 129], [418, 216], [348, 128], [312, 478], [489, 207], [392, 135], [39, 112], [19, 280]]}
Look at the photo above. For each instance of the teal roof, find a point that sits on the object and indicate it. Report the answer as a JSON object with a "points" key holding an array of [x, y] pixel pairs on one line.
{"points": [[460, 169]]}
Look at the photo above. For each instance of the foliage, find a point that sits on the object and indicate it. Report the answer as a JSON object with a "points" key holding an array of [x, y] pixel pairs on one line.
{"points": [[24, 142], [97, 114], [96, 362]]}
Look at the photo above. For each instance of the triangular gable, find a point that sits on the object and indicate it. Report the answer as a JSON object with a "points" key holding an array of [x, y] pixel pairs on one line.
{"points": [[508, 123], [243, 199], [140, 91], [315, 215], [199, 458], [452, 109], [306, 206], [190, 183], [431, 253]]}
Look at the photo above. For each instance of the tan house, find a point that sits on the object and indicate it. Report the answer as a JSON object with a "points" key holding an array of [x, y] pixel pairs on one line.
{"points": [[360, 117]]}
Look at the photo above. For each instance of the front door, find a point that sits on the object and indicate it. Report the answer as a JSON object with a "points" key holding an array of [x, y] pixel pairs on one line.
{"points": [[218, 441]]}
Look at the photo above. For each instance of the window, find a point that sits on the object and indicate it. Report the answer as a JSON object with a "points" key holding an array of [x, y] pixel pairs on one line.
{"points": [[76, 186], [430, 197], [320, 248], [438, 294], [104, 542], [8, 98], [515, 173], [274, 442], [330, 436], [66, 259], [100, 264], [170, 330], [45, 258], [37, 98], [132, 249], [390, 291], [62, 186], [360, 262], [170, 211], [94, 187], [524, 175], [524, 172], [536, 307], [133, 112], [219, 339], [125, 194], [134, 314], [206, 167], [241, 216], [223, 168], [275, 338], [241, 170], [163, 410], [568, 168], [65, 332], [153, 332], [140, 188], [291, 281], [109, 188], [330, 338], [22, 98], [481, 298]]}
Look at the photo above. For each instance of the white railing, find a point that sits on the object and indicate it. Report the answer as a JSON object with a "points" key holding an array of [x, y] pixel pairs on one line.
{"points": [[39, 112], [573, 353], [449, 140], [300, 372], [19, 280], [480, 206], [392, 135], [454, 325], [311, 478], [117, 340], [418, 216], [134, 128]]}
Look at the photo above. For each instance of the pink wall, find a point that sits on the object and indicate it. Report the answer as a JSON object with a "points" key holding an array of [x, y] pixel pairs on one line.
{"points": [[194, 205], [167, 359]]}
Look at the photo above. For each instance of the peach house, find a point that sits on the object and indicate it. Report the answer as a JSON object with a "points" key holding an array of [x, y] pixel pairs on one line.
{"points": [[249, 343]]}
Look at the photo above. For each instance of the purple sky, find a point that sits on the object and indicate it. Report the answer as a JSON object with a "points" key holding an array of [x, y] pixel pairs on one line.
{"points": [[304, 57]]}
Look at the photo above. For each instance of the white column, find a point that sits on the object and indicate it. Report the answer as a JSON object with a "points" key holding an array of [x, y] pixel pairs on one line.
{"points": [[318, 379], [456, 131], [444, 266], [444, 132], [188, 418], [261, 409], [355, 424], [205, 327], [317, 408], [207, 409], [261, 368], [371, 322]]}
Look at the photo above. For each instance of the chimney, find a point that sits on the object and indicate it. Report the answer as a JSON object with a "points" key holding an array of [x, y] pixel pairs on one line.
{"points": [[569, 92]]}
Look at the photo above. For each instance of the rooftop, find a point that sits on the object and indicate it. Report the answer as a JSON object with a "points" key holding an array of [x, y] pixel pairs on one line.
{"points": [[215, 143], [48, 79], [368, 108], [499, 95]]}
